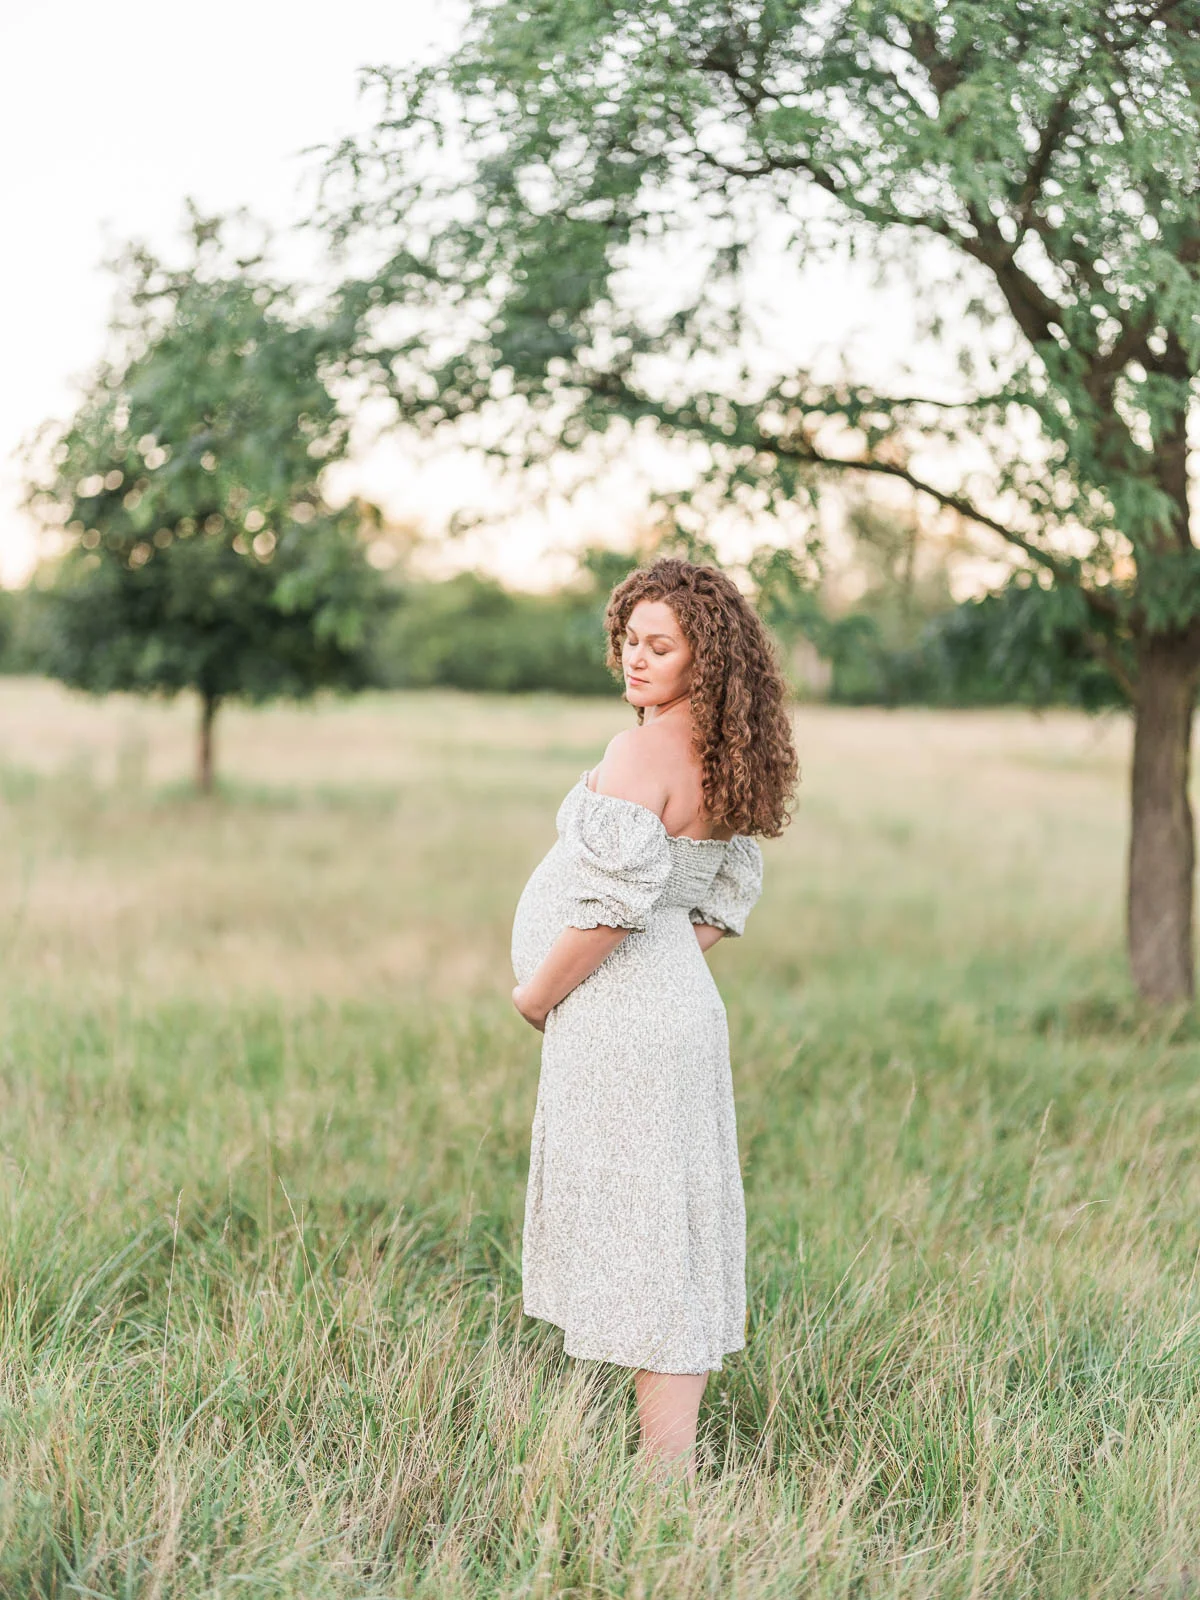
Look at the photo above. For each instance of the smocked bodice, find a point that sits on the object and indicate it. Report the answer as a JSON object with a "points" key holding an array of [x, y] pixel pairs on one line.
{"points": [[614, 864], [621, 838]]}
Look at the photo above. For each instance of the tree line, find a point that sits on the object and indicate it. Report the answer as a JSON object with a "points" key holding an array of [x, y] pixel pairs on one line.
{"points": [[470, 632]]}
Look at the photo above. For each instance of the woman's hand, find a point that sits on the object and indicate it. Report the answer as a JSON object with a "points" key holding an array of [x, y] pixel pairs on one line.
{"points": [[572, 958], [532, 1013]]}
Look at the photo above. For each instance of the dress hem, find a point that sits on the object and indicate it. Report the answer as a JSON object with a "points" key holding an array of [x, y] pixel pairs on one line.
{"points": [[581, 1350]]}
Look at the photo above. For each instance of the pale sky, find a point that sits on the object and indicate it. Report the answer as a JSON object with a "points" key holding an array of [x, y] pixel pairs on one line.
{"points": [[112, 114]]}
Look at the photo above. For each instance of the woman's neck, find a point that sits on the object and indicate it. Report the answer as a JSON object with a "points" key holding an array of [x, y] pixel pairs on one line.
{"points": [[653, 713]]}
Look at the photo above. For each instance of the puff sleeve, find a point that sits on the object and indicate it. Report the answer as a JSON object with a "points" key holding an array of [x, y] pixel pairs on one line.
{"points": [[620, 858], [734, 889]]}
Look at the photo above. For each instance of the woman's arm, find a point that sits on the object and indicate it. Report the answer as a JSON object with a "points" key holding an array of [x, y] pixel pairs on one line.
{"points": [[573, 956], [626, 772]]}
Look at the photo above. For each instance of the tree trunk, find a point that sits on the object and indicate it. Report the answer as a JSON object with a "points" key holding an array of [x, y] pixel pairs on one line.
{"points": [[1162, 837], [204, 760]]}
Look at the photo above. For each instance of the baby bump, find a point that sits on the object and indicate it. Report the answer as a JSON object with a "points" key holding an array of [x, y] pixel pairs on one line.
{"points": [[661, 963], [541, 913]]}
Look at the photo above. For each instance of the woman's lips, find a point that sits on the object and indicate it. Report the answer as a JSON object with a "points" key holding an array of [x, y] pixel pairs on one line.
{"points": [[632, 679]]}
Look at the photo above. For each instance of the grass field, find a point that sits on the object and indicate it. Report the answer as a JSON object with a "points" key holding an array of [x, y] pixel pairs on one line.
{"points": [[264, 1120]]}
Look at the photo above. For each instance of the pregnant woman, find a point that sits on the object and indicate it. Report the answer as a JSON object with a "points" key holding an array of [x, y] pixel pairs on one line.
{"points": [[634, 1236]]}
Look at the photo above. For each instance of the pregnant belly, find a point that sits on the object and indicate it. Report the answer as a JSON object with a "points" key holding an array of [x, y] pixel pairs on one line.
{"points": [[540, 915], [663, 958]]}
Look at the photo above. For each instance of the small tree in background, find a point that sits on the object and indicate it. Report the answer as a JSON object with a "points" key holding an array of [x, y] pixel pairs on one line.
{"points": [[199, 551]]}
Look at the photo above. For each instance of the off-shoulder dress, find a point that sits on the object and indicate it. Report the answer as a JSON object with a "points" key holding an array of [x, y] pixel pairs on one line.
{"points": [[634, 1237]]}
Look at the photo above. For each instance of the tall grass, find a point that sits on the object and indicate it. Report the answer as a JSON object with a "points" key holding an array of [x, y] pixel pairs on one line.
{"points": [[264, 1118]]}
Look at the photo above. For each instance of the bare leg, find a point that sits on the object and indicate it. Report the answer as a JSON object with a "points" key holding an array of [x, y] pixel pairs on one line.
{"points": [[668, 1406]]}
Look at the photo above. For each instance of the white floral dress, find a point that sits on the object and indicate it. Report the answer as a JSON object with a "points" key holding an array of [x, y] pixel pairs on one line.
{"points": [[634, 1238]]}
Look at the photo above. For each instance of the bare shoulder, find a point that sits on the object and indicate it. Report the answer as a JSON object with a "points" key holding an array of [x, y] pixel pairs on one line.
{"points": [[636, 766]]}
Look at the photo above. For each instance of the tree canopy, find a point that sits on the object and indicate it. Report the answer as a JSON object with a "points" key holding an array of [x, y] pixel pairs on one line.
{"points": [[1050, 150]]}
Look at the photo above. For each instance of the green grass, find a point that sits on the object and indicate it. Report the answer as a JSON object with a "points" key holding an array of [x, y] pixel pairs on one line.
{"points": [[264, 1120]]}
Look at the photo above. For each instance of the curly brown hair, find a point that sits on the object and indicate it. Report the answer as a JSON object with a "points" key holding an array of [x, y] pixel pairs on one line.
{"points": [[742, 731]]}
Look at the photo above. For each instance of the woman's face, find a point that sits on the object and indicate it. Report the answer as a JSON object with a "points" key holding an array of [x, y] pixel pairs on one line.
{"points": [[656, 659]]}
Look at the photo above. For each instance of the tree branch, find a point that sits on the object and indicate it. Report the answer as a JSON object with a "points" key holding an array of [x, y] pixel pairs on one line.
{"points": [[895, 402], [1104, 649], [824, 178], [1032, 307], [1102, 604], [943, 74], [1056, 124]]}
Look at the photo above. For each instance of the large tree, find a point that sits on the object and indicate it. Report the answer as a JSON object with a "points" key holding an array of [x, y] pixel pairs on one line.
{"points": [[580, 193], [199, 551]]}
